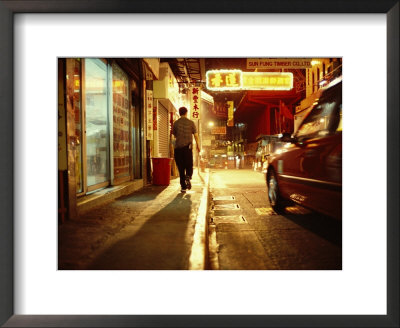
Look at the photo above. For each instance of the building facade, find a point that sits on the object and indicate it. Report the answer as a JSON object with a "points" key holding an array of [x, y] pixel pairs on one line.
{"points": [[114, 116], [101, 137]]}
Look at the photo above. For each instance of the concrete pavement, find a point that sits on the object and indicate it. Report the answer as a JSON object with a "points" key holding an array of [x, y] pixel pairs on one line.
{"points": [[154, 228]]}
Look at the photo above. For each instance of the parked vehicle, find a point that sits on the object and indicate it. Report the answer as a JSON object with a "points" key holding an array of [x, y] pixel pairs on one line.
{"points": [[218, 162], [307, 170]]}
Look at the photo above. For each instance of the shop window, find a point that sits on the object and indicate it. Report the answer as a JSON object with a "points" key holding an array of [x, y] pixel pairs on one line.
{"points": [[121, 148], [96, 109]]}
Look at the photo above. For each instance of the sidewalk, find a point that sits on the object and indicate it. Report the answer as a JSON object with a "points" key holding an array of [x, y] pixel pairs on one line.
{"points": [[155, 228]]}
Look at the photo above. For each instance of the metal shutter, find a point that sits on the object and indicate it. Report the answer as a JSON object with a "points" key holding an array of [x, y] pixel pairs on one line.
{"points": [[163, 129]]}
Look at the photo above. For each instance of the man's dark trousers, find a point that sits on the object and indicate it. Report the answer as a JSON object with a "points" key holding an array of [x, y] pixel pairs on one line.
{"points": [[184, 161]]}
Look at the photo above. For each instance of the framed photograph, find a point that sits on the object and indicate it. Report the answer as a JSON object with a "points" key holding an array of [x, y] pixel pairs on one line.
{"points": [[364, 34]]}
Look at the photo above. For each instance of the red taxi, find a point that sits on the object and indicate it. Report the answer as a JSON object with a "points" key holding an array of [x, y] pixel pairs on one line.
{"points": [[307, 170]]}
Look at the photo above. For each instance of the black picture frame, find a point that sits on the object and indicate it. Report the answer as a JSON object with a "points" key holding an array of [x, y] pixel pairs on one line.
{"points": [[7, 11]]}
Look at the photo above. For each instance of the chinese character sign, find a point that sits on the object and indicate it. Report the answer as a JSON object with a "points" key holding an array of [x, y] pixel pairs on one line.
{"points": [[149, 116], [230, 113], [219, 130], [220, 109], [195, 100], [155, 110], [224, 79], [267, 81]]}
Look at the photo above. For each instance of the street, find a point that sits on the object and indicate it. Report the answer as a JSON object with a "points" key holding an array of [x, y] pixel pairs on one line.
{"points": [[246, 234]]}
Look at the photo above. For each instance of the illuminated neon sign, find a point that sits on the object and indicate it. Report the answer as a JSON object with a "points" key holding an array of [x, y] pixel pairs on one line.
{"points": [[220, 80], [230, 80], [267, 81]]}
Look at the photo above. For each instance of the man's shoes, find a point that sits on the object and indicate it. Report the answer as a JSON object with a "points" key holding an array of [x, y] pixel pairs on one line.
{"points": [[183, 191], [188, 184]]}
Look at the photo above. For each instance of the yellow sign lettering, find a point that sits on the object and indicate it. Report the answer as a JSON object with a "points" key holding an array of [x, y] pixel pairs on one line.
{"points": [[220, 80]]}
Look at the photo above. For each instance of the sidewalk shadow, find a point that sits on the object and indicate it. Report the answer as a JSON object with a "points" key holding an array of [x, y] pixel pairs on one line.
{"points": [[147, 193], [163, 242]]}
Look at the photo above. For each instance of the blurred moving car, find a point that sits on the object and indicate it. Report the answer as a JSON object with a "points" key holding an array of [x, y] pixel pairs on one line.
{"points": [[308, 169]]}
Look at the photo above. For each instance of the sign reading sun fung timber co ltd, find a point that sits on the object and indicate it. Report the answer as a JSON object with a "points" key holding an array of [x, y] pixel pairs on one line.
{"points": [[289, 63]]}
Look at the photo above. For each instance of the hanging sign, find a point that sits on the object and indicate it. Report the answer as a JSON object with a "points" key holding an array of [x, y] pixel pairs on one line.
{"points": [[155, 117], [219, 130], [149, 111], [267, 81], [195, 100], [230, 113], [230, 80], [220, 109], [221, 80], [288, 63]]}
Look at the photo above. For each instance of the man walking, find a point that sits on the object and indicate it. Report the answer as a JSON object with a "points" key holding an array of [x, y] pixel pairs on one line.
{"points": [[183, 129]]}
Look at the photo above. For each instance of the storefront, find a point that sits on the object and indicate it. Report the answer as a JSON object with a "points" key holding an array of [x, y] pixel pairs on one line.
{"points": [[103, 131], [167, 103]]}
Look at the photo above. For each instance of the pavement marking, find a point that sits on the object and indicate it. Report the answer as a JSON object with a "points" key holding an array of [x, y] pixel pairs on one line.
{"points": [[224, 198], [229, 219], [265, 211], [197, 259], [226, 207]]}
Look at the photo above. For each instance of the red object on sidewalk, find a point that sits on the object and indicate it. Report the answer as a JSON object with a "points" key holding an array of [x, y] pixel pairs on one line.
{"points": [[161, 171]]}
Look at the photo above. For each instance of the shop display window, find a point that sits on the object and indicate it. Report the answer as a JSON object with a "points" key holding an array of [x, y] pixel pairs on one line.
{"points": [[121, 145], [96, 110]]}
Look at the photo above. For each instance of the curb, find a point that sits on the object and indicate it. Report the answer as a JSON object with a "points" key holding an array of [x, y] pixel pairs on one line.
{"points": [[199, 251]]}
